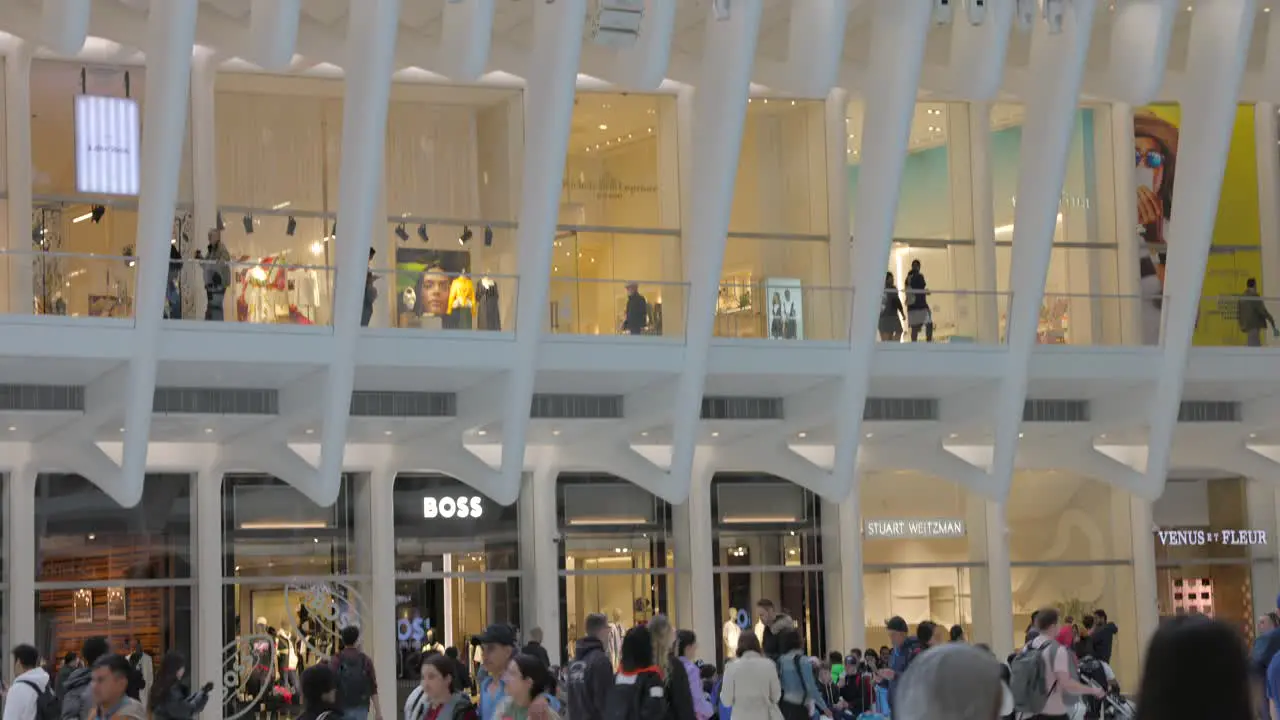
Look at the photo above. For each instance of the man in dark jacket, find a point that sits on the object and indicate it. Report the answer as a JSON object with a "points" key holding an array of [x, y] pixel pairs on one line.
{"points": [[75, 694], [590, 676], [775, 623], [637, 312], [534, 647], [1103, 636]]}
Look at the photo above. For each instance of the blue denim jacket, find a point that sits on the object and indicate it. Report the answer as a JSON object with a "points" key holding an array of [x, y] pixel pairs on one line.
{"points": [[799, 688]]}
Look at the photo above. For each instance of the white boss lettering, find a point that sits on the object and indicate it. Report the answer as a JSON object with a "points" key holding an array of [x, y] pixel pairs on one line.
{"points": [[448, 508], [429, 508], [475, 507], [453, 507]]}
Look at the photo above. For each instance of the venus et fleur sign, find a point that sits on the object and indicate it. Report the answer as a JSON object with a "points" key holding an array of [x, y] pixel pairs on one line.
{"points": [[1236, 537]]}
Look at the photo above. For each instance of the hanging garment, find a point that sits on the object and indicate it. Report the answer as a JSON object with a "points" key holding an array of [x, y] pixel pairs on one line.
{"points": [[487, 312], [462, 293]]}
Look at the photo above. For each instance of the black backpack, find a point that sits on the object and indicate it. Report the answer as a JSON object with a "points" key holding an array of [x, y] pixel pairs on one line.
{"points": [[354, 688], [48, 707], [639, 697]]}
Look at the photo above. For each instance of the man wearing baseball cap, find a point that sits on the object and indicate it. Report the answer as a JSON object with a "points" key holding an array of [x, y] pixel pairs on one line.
{"points": [[497, 647], [905, 648]]}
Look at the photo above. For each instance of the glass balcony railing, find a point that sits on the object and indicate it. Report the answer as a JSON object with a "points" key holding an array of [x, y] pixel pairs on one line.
{"points": [[591, 306], [783, 311], [432, 299], [1237, 321], [1100, 319], [948, 316], [68, 284], [267, 292]]}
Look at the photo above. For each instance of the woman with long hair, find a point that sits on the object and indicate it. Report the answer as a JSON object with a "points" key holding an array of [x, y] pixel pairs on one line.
{"points": [[1187, 657], [527, 678], [168, 698], [683, 684], [751, 688], [663, 637]]}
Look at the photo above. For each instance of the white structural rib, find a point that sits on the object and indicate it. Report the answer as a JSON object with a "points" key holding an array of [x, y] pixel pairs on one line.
{"points": [[978, 54], [171, 28], [719, 114], [642, 66], [367, 90], [1140, 34], [64, 25], [1219, 46], [1269, 80], [273, 33], [548, 113], [465, 35], [897, 54], [1057, 63], [816, 41], [17, 133]]}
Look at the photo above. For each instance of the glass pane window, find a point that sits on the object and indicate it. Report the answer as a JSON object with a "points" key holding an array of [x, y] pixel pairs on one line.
{"points": [[443, 526]]}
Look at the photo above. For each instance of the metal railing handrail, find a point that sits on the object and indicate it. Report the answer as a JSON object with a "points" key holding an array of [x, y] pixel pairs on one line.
{"points": [[253, 264], [802, 288], [376, 270], [1109, 296], [61, 254], [623, 281]]}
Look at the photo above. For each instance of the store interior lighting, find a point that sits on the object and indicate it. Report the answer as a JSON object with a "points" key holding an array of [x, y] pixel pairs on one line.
{"points": [[601, 521], [465, 237], [82, 218], [97, 213], [284, 525], [248, 224], [422, 233], [758, 519], [291, 227], [402, 233]]}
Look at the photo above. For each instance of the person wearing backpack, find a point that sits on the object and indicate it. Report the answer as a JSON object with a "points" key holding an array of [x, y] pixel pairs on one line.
{"points": [[638, 691], [30, 698], [590, 675], [75, 695], [1040, 675], [357, 682], [905, 649], [801, 696]]}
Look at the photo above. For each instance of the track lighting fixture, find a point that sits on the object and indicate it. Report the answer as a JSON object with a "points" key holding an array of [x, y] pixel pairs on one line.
{"points": [[37, 237], [248, 224], [465, 237], [221, 225], [488, 236], [97, 213], [422, 233], [291, 227], [402, 233]]}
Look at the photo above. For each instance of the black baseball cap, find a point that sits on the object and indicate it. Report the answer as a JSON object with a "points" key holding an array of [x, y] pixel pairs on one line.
{"points": [[498, 634], [897, 624]]}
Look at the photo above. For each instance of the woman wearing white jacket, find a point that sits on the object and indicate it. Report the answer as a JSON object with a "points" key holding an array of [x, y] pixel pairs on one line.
{"points": [[750, 686]]}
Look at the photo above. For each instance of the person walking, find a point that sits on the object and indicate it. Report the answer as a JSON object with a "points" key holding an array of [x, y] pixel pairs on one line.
{"points": [[438, 696], [1196, 669], [951, 682], [751, 687], [1253, 315], [111, 677], [76, 694], [534, 646], [30, 682], [590, 675], [357, 681], [319, 694], [168, 698]]}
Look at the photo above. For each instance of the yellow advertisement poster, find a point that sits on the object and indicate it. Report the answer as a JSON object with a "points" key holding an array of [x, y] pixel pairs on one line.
{"points": [[1236, 255]]}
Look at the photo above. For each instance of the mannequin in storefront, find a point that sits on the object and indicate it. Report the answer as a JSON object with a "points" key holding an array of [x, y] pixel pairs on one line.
{"points": [[731, 632], [430, 644], [488, 316], [759, 629], [462, 302], [286, 656], [616, 631]]}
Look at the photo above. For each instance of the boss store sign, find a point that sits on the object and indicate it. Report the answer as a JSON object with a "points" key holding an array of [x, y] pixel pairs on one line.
{"points": [[461, 507]]}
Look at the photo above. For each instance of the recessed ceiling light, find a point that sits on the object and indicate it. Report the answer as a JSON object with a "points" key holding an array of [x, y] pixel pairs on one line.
{"points": [[644, 434], [555, 432], [1019, 434], [482, 433], [12, 428], [1253, 435], [1103, 436], [311, 431], [602, 126], [953, 436], [386, 432], [871, 435], [315, 540], [802, 435], [715, 434], [208, 431], [121, 429], [92, 536]]}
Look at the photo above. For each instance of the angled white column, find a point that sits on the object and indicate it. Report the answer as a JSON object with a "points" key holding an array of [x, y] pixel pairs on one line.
{"points": [[893, 77], [1147, 611], [171, 30], [466, 31], [17, 102], [984, 224], [719, 114], [1057, 64], [209, 568], [839, 250], [847, 574], [1266, 135], [381, 593], [542, 582], [64, 25], [1219, 45], [1126, 219], [367, 89], [694, 579], [1140, 34], [20, 556], [642, 66], [548, 112], [999, 579], [273, 33], [816, 42]]}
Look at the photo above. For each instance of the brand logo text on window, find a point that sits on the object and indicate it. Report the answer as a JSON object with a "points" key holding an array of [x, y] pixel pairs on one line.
{"points": [[904, 529], [451, 507]]}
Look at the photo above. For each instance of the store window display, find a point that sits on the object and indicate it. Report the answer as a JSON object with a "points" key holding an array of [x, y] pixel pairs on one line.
{"points": [[1070, 546], [450, 289], [615, 555], [294, 576], [767, 541], [923, 554], [123, 573], [457, 570]]}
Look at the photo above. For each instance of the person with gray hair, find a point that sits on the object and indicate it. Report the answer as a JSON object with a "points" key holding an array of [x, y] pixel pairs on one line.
{"points": [[950, 682]]}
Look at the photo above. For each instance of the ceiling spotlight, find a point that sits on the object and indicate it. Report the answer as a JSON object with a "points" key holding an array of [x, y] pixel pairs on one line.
{"points": [[248, 224], [488, 236], [97, 212], [402, 233], [422, 233], [292, 227], [221, 225], [465, 237]]}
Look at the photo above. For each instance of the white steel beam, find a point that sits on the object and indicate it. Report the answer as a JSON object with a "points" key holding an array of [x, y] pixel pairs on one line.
{"points": [[548, 114], [1218, 48], [367, 91], [465, 36], [642, 66], [1140, 34], [1269, 76], [898, 37], [17, 102], [64, 25], [816, 42], [273, 33], [171, 29], [976, 65], [717, 120], [1057, 61]]}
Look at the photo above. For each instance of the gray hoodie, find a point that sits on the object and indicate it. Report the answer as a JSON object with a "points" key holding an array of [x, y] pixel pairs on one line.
{"points": [[129, 709]]}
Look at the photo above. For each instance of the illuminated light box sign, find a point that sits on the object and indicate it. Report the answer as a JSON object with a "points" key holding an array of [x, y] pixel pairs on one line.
{"points": [[107, 145], [941, 528], [1236, 537], [451, 507]]}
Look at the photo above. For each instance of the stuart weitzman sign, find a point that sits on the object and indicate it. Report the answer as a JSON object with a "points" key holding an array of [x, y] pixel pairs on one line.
{"points": [[903, 529]]}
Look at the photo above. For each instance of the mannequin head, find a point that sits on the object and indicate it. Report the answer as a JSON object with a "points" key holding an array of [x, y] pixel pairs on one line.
{"points": [[434, 293], [617, 615]]}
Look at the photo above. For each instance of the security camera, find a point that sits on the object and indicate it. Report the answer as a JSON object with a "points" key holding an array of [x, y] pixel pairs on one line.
{"points": [[1026, 14], [942, 12], [1053, 12], [977, 12]]}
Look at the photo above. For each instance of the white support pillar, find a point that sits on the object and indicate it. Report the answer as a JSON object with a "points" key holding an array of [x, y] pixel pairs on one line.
{"points": [[64, 25], [839, 250], [999, 581], [273, 33], [552, 82], [17, 102], [1267, 134], [171, 31], [367, 90], [847, 575], [719, 114], [210, 643], [1126, 213], [380, 637], [1147, 612], [984, 223], [20, 555], [897, 53], [1218, 47], [465, 36], [695, 581], [1057, 64], [541, 579]]}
